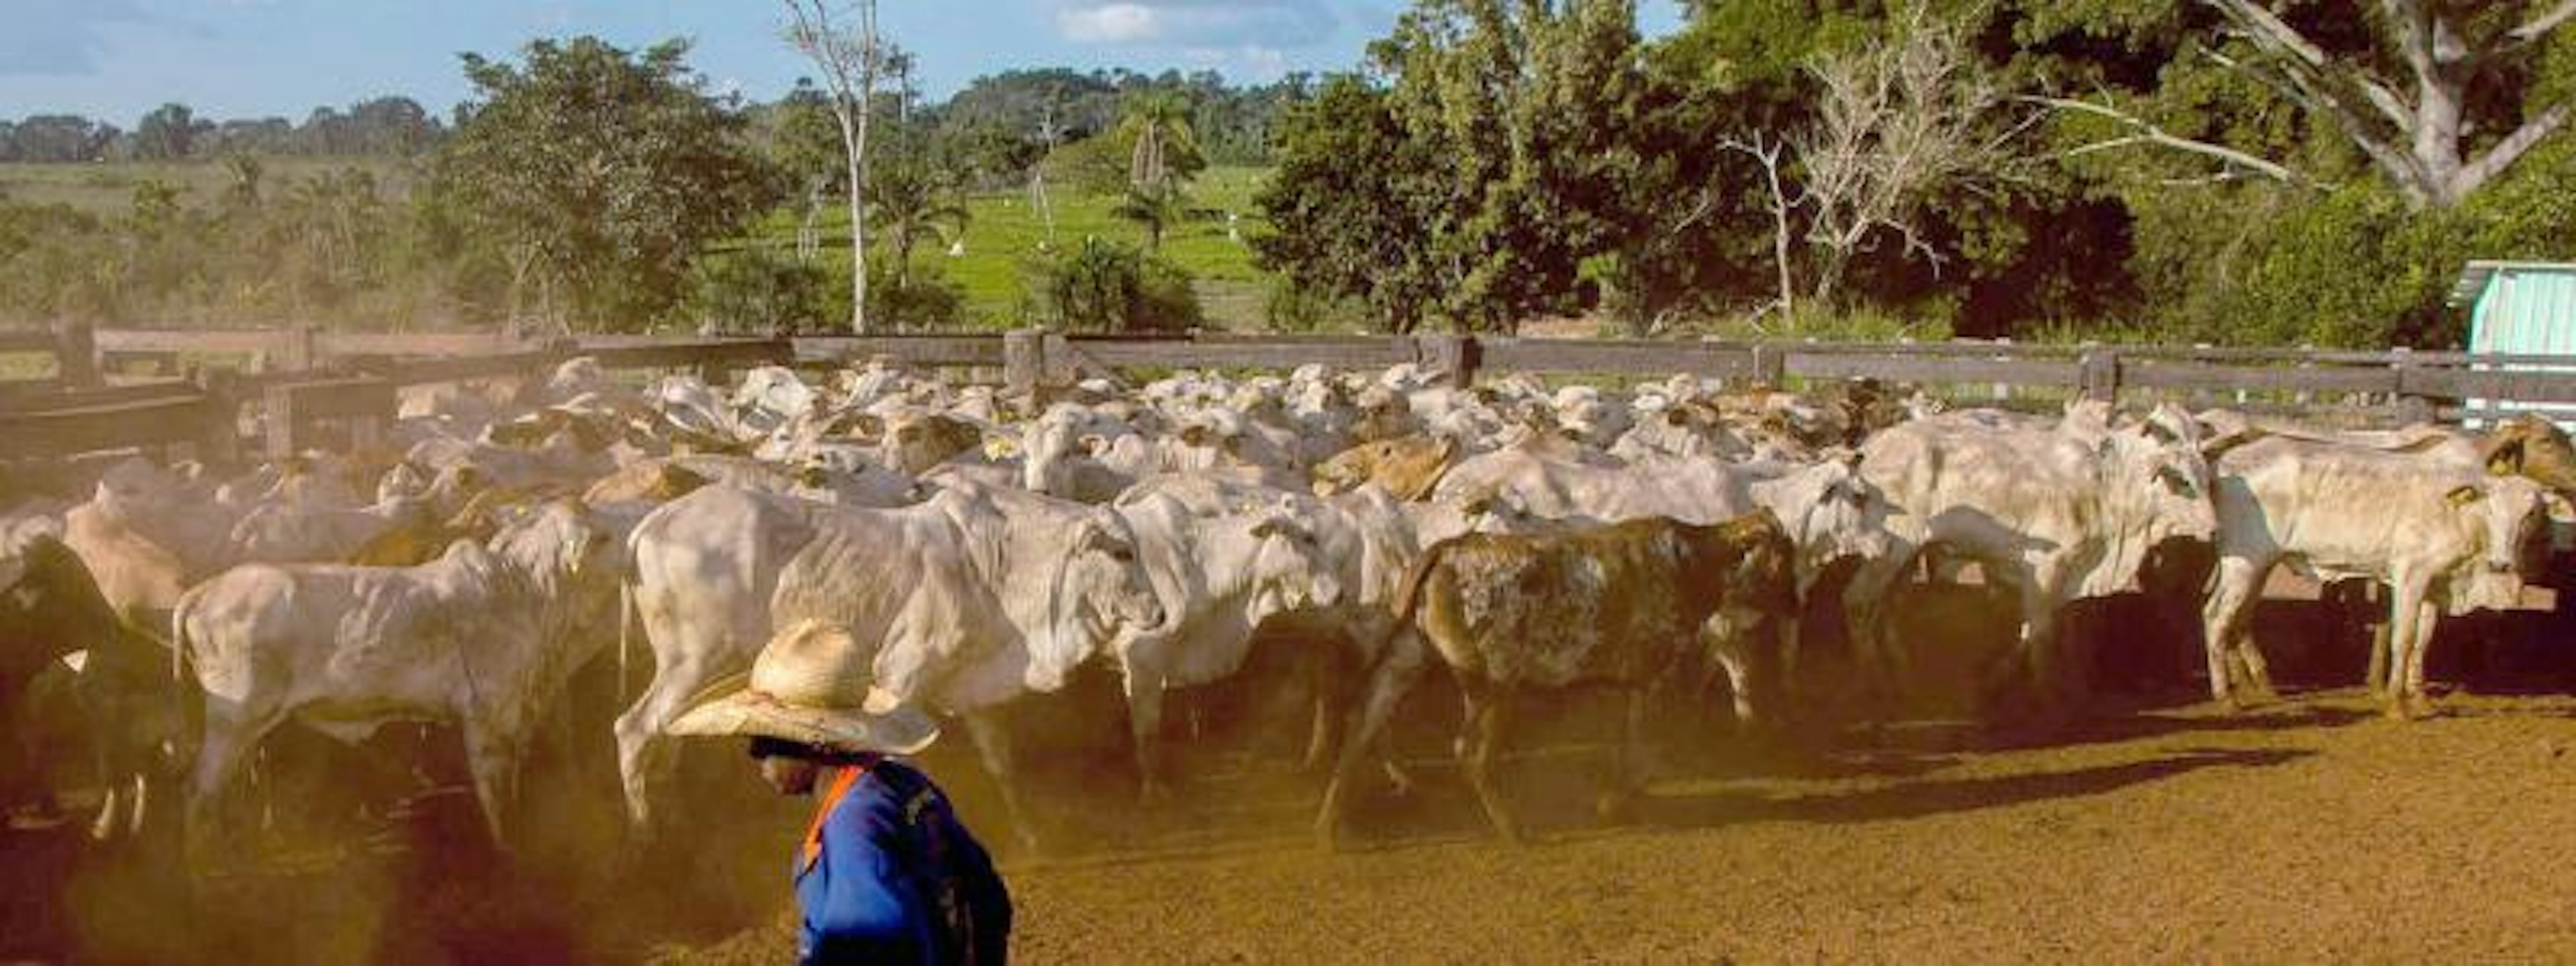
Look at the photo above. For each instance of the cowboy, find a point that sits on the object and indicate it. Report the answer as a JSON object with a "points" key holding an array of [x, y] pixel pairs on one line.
{"points": [[886, 874]]}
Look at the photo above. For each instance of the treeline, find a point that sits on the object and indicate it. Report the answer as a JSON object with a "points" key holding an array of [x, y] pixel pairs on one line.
{"points": [[586, 186], [380, 127], [2168, 170]]}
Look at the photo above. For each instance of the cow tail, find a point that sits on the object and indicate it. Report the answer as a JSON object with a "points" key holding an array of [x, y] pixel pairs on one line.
{"points": [[179, 638], [625, 636]]}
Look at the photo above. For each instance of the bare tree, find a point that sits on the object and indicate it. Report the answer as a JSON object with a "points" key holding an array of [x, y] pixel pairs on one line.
{"points": [[850, 58], [1766, 153], [2408, 113], [1899, 124]]}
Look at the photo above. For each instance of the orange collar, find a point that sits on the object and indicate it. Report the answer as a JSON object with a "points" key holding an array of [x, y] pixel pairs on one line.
{"points": [[841, 785]]}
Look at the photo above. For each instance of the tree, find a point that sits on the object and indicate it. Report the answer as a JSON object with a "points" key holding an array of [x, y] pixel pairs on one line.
{"points": [[850, 59], [597, 174], [1900, 125], [168, 132], [2441, 97], [1162, 150], [1350, 205], [911, 203], [1152, 208]]}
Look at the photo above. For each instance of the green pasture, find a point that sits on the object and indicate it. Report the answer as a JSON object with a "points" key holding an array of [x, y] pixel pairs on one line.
{"points": [[1005, 232]]}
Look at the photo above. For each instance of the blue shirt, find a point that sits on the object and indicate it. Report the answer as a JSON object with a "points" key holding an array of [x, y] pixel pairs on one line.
{"points": [[897, 880]]}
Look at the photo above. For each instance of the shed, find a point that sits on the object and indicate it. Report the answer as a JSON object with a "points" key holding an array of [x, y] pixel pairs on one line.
{"points": [[2520, 308]]}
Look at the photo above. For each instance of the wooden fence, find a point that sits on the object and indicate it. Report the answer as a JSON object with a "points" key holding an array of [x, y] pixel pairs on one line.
{"points": [[278, 384]]}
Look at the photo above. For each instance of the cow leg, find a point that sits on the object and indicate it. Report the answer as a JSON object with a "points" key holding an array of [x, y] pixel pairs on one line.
{"points": [[2039, 600], [991, 732], [1397, 669], [1879, 662], [2418, 703], [1628, 766], [1321, 666], [2223, 619], [227, 745], [1493, 716], [493, 753], [645, 758], [2406, 601], [1145, 723]]}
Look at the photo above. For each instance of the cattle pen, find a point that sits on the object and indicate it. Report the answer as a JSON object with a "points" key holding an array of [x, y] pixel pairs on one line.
{"points": [[1959, 830], [213, 391]]}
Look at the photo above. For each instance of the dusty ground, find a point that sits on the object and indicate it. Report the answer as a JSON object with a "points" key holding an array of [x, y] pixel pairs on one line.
{"points": [[2310, 830], [2305, 830]]}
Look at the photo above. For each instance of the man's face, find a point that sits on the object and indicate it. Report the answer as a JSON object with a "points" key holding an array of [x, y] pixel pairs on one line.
{"points": [[790, 776]]}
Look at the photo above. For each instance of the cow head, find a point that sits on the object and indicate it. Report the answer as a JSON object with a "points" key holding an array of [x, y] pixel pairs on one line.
{"points": [[1831, 513], [914, 441], [1101, 591], [2534, 448], [2159, 471], [2512, 515], [1408, 467], [566, 550], [1290, 568]]}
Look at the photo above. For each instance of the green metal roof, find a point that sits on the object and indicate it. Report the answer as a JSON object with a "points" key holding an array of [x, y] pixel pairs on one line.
{"points": [[2474, 277]]}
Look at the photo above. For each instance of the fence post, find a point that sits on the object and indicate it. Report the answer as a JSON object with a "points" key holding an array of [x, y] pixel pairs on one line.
{"points": [[277, 423], [1770, 366], [76, 355], [2307, 363], [219, 441], [1452, 358], [2099, 375], [2003, 390], [1023, 360], [2411, 408], [298, 348]]}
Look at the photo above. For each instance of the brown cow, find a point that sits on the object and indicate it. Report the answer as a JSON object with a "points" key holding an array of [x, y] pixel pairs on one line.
{"points": [[1629, 604], [1406, 467]]}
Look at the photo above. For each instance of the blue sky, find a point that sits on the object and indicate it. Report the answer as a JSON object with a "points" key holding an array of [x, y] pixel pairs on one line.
{"points": [[116, 59]]}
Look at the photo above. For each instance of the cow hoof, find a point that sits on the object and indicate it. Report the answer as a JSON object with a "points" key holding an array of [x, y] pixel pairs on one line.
{"points": [[2399, 710]]}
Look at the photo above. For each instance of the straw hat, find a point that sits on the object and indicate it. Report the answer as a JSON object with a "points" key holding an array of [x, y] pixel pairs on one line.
{"points": [[802, 689]]}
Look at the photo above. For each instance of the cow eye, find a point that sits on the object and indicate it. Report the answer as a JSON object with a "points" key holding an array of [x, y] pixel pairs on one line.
{"points": [[2175, 481], [1120, 554]]}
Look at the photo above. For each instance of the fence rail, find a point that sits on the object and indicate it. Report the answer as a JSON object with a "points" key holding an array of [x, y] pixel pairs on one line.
{"points": [[289, 379]]}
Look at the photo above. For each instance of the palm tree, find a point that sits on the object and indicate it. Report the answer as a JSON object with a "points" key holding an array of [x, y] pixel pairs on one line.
{"points": [[1159, 121], [909, 203], [1153, 209]]}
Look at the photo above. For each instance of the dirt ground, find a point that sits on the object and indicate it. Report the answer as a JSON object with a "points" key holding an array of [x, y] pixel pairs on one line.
{"points": [[2147, 828], [2306, 831]]}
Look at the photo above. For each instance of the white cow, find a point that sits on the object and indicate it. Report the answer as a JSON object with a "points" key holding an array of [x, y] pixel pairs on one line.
{"points": [[1220, 571], [289, 533], [976, 597], [2055, 514], [705, 567], [484, 637], [2440, 535]]}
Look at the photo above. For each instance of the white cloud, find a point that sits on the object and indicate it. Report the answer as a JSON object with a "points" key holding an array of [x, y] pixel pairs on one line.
{"points": [[1198, 24], [1247, 63], [1113, 23]]}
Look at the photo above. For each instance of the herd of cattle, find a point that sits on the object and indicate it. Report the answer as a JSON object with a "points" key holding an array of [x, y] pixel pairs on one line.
{"points": [[1521, 536]]}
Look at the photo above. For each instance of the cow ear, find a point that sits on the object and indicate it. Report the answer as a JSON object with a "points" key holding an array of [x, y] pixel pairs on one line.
{"points": [[2465, 494], [2504, 450]]}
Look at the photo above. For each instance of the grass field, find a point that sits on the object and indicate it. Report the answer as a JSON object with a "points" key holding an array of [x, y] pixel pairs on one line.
{"points": [[1005, 231]]}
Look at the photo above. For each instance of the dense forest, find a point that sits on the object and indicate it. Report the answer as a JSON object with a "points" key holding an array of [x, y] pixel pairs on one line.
{"points": [[2137, 170]]}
